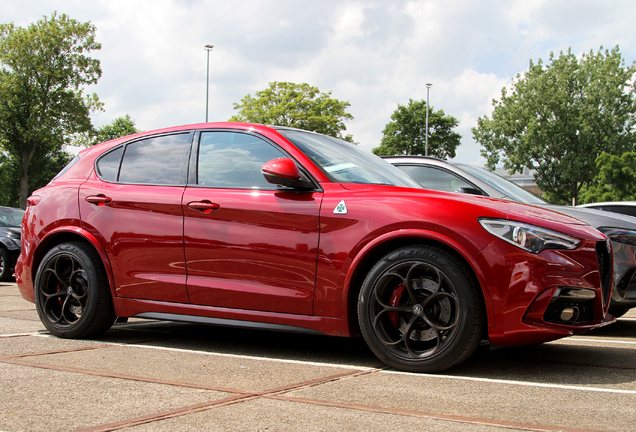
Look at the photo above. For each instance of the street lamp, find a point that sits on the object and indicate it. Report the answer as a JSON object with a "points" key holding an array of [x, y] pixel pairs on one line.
{"points": [[208, 48], [428, 88]]}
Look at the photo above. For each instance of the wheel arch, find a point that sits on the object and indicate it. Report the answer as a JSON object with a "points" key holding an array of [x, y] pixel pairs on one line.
{"points": [[69, 234], [377, 248]]}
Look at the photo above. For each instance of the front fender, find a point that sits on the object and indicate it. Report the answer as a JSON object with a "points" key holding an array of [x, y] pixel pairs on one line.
{"points": [[415, 235]]}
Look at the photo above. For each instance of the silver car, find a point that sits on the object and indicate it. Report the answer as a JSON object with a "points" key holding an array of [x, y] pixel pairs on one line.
{"points": [[622, 207], [447, 176]]}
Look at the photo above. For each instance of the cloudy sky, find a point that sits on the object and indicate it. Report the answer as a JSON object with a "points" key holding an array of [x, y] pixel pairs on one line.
{"points": [[374, 54]]}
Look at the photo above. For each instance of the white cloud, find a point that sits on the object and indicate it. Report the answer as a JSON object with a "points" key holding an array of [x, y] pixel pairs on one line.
{"points": [[375, 54]]}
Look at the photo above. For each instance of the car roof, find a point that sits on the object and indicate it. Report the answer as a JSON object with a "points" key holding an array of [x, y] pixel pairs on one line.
{"points": [[608, 203], [453, 167]]}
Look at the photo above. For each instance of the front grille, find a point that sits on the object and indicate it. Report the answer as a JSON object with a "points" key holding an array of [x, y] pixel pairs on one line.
{"points": [[604, 268]]}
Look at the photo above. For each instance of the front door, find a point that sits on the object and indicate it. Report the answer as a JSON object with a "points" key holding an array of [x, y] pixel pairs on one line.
{"points": [[248, 245]]}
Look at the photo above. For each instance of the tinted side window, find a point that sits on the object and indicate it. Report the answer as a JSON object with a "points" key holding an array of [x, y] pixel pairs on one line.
{"points": [[435, 179], [157, 160], [108, 165], [234, 160], [626, 210], [67, 167]]}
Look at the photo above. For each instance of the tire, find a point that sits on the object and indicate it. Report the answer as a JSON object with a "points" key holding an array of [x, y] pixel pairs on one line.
{"points": [[5, 265], [618, 312], [431, 296], [72, 295]]}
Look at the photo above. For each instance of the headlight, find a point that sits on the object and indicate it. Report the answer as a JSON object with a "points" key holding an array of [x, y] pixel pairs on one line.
{"points": [[528, 237], [620, 235]]}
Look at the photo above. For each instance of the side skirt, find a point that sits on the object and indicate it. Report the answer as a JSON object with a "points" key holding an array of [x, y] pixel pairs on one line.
{"points": [[185, 312], [225, 322]]}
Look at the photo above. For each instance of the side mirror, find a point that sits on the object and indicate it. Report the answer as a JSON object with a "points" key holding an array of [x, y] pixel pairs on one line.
{"points": [[468, 190], [284, 172]]}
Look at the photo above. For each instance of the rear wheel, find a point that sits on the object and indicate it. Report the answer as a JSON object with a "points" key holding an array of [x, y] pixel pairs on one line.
{"points": [[72, 296], [420, 310]]}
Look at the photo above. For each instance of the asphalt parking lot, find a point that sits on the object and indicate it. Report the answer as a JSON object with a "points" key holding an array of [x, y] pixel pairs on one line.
{"points": [[161, 376]]}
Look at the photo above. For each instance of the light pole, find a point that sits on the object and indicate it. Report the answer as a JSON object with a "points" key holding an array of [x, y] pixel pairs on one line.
{"points": [[428, 88], [208, 48]]}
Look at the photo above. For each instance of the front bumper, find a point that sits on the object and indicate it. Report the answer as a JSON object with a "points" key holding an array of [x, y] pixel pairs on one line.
{"points": [[542, 297], [624, 295]]}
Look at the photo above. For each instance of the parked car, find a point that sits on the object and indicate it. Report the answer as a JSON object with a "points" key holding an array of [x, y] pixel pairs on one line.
{"points": [[437, 174], [10, 219], [278, 228], [623, 207]]}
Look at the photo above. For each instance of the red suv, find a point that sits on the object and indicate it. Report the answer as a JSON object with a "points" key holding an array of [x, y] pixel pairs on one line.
{"points": [[278, 228]]}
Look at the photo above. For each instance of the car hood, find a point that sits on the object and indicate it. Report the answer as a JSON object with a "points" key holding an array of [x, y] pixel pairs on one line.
{"points": [[506, 209], [596, 218]]}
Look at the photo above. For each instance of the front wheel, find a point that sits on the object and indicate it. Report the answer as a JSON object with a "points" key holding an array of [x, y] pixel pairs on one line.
{"points": [[420, 310], [72, 296]]}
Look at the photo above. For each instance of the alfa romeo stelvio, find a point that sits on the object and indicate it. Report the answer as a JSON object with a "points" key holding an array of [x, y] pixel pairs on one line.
{"points": [[284, 229]]}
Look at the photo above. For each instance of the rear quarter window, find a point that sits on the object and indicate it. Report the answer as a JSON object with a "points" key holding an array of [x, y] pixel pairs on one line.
{"points": [[161, 160]]}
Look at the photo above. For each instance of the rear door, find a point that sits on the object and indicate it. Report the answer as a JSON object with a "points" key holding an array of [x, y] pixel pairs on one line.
{"points": [[247, 244], [132, 205]]}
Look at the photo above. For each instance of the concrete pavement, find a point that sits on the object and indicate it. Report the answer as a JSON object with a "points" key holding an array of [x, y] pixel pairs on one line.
{"points": [[162, 376]]}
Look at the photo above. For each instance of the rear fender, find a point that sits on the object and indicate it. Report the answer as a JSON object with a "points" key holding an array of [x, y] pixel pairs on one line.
{"points": [[50, 237]]}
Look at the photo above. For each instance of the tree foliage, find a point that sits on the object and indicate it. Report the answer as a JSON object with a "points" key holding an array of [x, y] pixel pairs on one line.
{"points": [[296, 105], [119, 127], [406, 134], [615, 181], [559, 117], [42, 170], [44, 70]]}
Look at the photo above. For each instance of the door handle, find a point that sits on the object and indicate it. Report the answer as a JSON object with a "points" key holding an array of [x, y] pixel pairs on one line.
{"points": [[100, 199], [204, 207]]}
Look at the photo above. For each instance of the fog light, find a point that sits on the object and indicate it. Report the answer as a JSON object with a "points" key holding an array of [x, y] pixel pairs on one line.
{"points": [[570, 314]]}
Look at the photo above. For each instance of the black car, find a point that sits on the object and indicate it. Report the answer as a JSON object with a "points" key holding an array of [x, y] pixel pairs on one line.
{"points": [[447, 176], [10, 220]]}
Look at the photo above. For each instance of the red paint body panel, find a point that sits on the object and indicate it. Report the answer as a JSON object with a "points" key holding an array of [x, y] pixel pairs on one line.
{"points": [[285, 257], [142, 233], [257, 251]]}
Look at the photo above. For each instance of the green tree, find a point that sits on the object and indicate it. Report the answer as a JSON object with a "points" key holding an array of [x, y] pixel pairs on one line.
{"points": [[42, 170], [44, 70], [119, 127], [559, 117], [296, 105], [9, 183], [406, 134], [615, 181]]}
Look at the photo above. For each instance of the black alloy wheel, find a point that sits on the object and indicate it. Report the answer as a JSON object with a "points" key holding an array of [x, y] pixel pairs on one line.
{"points": [[420, 310], [72, 295]]}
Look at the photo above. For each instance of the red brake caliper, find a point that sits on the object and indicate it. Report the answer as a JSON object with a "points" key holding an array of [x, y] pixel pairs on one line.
{"points": [[394, 301], [60, 288]]}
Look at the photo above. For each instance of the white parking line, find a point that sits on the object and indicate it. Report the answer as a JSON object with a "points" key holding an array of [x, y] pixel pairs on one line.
{"points": [[602, 341], [238, 356], [518, 383], [363, 368], [594, 341]]}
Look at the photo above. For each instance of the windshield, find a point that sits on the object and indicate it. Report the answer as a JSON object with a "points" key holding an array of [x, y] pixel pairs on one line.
{"points": [[506, 187], [10, 217], [344, 162]]}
